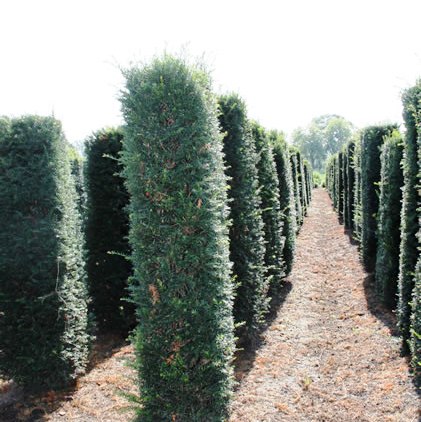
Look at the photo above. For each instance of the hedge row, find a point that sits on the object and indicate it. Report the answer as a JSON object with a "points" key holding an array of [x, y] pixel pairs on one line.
{"points": [[377, 192], [191, 207]]}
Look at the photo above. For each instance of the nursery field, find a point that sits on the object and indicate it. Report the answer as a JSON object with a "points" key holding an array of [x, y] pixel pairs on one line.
{"points": [[329, 352]]}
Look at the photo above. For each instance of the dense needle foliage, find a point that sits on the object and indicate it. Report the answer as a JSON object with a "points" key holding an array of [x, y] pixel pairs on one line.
{"points": [[295, 173], [172, 154], [43, 295], [106, 232], [286, 197], [371, 141], [271, 209], [410, 216], [247, 247], [388, 223]]}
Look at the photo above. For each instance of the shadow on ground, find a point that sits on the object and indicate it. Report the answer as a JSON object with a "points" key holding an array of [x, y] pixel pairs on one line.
{"points": [[246, 351], [377, 308], [17, 406]]}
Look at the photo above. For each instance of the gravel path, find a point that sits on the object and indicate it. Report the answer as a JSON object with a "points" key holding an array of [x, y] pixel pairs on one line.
{"points": [[330, 353]]}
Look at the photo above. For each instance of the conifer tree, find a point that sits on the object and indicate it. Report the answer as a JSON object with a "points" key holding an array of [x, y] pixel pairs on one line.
{"points": [[388, 224], [371, 141], [357, 216], [107, 229], [182, 289], [271, 210], [286, 197], [247, 249], [295, 166], [410, 216], [44, 338]]}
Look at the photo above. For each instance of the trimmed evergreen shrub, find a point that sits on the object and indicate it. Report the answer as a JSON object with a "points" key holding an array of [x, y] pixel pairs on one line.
{"points": [[247, 247], [335, 181], [344, 184], [43, 296], [173, 164], [409, 220], [271, 210], [286, 197], [388, 225], [106, 232], [308, 179], [76, 168], [340, 185], [350, 185], [295, 166], [302, 185], [357, 216], [415, 344], [371, 141]]}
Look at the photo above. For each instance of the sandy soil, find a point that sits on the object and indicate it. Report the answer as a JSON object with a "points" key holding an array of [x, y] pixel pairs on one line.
{"points": [[329, 353]]}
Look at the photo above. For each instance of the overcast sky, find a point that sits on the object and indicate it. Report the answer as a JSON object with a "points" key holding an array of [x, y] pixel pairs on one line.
{"points": [[291, 60]]}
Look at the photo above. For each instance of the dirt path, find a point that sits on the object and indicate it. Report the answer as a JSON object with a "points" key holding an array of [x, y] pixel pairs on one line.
{"points": [[326, 357]]}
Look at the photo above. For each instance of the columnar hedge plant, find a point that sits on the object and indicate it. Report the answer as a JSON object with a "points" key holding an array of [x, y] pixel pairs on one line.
{"points": [[44, 341], [271, 209], [247, 248], [415, 343], [76, 167], [388, 222], [350, 184], [173, 163], [106, 231], [295, 172], [357, 215], [340, 185], [286, 197], [308, 180], [371, 141], [302, 184], [410, 223]]}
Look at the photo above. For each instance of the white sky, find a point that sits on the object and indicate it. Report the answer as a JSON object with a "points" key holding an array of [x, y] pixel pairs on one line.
{"points": [[291, 60]]}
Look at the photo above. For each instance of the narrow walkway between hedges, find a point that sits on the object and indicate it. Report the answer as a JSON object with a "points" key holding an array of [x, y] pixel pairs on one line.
{"points": [[326, 356]]}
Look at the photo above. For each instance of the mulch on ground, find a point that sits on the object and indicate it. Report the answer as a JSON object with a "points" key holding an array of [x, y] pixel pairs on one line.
{"points": [[331, 353]]}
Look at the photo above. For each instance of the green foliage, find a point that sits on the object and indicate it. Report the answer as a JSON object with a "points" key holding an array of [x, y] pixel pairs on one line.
{"points": [[357, 216], [173, 164], [349, 185], [247, 249], [388, 224], [319, 179], [415, 344], [107, 231], [371, 141], [271, 210], [295, 173], [43, 296], [340, 185], [409, 220], [286, 197], [76, 168], [308, 172], [302, 184], [323, 137]]}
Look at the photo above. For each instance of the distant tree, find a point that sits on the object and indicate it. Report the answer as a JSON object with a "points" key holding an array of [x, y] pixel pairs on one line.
{"points": [[324, 136]]}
